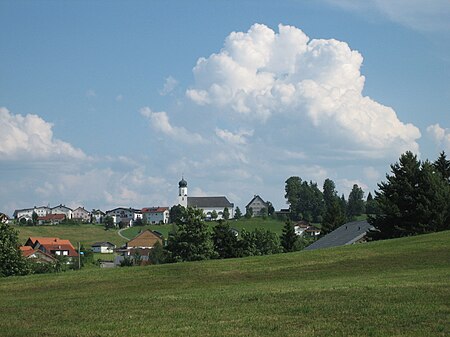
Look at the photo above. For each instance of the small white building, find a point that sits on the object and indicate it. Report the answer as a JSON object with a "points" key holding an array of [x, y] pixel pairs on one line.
{"points": [[103, 247], [156, 215], [62, 209], [122, 215], [97, 216], [27, 213]]}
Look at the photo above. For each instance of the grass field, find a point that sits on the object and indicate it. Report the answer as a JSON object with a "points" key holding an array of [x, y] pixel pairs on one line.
{"points": [[272, 225], [86, 234], [396, 287]]}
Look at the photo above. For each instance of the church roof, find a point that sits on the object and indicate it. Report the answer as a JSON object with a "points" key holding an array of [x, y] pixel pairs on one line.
{"points": [[182, 183], [201, 202]]}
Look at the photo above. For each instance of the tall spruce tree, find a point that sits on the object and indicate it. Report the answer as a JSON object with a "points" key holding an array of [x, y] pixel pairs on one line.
{"points": [[288, 237], [355, 204], [225, 241], [442, 165], [413, 200]]}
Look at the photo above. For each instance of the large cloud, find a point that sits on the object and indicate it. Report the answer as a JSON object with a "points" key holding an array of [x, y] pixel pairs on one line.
{"points": [[261, 73], [31, 137], [440, 135]]}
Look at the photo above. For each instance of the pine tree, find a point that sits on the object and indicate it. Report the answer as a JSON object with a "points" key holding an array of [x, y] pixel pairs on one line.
{"points": [[237, 213], [355, 205], [442, 165], [225, 241], [288, 238], [334, 217]]}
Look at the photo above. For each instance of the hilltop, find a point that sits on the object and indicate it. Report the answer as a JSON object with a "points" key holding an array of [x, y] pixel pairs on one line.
{"points": [[393, 287]]}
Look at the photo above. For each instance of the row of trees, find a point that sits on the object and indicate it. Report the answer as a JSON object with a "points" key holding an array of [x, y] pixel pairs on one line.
{"points": [[307, 202], [415, 199]]}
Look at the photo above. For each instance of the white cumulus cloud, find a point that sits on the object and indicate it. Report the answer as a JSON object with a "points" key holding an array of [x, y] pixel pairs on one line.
{"points": [[30, 136], [440, 135], [239, 138], [261, 73], [160, 122]]}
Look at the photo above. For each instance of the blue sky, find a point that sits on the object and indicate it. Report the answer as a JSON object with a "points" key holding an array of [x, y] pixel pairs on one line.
{"points": [[108, 103]]}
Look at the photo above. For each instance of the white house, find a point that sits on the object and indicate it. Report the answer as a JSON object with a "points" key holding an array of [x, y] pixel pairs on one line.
{"points": [[207, 204], [103, 247], [62, 209], [156, 215], [257, 204], [81, 214], [27, 213], [97, 216], [123, 215]]}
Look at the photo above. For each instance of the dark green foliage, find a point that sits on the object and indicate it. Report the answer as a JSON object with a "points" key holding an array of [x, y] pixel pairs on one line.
{"points": [[34, 218], [259, 242], [263, 213], [249, 213], [191, 240], [237, 213], [288, 238], [415, 199], [127, 262], [270, 208], [355, 204], [305, 199], [22, 221], [11, 260], [442, 165], [214, 215], [225, 241], [333, 217], [371, 205], [157, 254], [176, 213], [226, 213], [329, 192], [108, 222], [138, 222]]}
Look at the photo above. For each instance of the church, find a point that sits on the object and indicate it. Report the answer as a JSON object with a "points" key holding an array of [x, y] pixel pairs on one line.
{"points": [[207, 204]]}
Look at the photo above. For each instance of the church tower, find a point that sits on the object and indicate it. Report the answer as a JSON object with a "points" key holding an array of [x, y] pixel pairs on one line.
{"points": [[182, 192]]}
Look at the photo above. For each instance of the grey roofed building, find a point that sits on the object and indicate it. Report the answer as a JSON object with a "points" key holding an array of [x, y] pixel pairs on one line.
{"points": [[208, 202], [347, 234]]}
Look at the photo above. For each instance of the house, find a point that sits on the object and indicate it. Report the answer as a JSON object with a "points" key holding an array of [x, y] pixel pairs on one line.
{"points": [[36, 255], [53, 219], [4, 218], [347, 234], [312, 231], [156, 215], [103, 247], [300, 227], [81, 214], [52, 246], [27, 213], [257, 205], [140, 246], [207, 204], [61, 209], [97, 216], [123, 215]]}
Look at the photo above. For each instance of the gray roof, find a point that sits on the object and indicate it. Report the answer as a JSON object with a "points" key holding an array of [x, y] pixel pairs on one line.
{"points": [[345, 235], [209, 202], [103, 244]]}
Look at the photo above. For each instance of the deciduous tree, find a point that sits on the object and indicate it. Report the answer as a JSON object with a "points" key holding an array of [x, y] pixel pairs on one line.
{"points": [[11, 260]]}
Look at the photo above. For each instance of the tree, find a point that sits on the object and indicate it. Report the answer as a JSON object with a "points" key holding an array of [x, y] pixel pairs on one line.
{"points": [[292, 189], [157, 254], [176, 213], [264, 213], [413, 200], [191, 240], [333, 217], [355, 205], [12, 261], [270, 208], [371, 205], [259, 242], [442, 165], [108, 222], [225, 241], [237, 213], [329, 192], [138, 222], [288, 238], [214, 215], [34, 218], [226, 213], [249, 213]]}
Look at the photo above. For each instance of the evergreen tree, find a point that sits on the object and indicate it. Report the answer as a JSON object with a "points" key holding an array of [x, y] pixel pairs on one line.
{"points": [[329, 192], [292, 189], [34, 218], [214, 215], [413, 200], [288, 238], [237, 213], [157, 254], [12, 261], [442, 165], [191, 240], [108, 222], [226, 213], [334, 217], [355, 205], [225, 241], [176, 213], [371, 205]]}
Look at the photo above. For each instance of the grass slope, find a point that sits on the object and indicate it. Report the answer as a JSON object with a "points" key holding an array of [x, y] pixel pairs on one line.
{"points": [[86, 234], [396, 287]]}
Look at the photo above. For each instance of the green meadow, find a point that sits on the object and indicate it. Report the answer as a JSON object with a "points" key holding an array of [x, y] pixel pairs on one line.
{"points": [[392, 288], [86, 234]]}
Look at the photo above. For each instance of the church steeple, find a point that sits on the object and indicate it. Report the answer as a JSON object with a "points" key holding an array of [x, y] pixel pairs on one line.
{"points": [[182, 192]]}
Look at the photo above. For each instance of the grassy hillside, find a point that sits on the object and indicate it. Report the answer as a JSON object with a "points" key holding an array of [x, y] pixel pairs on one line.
{"points": [[397, 287], [87, 234], [272, 225]]}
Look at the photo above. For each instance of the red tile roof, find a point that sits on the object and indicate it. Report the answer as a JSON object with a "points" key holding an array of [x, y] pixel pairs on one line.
{"points": [[52, 244], [154, 209]]}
